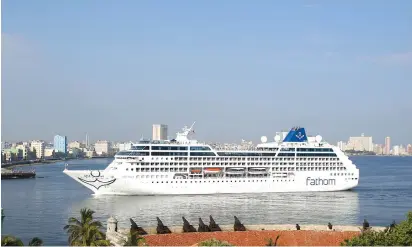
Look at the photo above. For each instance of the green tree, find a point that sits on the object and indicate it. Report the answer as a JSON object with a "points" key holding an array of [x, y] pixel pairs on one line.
{"points": [[86, 231], [36, 242], [59, 155], [135, 240], [395, 235], [214, 242], [10, 240], [32, 155]]}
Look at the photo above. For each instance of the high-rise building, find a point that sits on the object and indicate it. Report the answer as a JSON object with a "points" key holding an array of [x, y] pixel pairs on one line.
{"points": [[396, 150], [102, 147], [39, 146], [60, 143], [159, 132], [360, 143], [409, 149], [387, 145], [378, 149], [342, 145], [87, 140]]}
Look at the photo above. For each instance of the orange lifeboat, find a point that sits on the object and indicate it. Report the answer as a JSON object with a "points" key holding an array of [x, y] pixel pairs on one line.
{"points": [[213, 170], [195, 170]]}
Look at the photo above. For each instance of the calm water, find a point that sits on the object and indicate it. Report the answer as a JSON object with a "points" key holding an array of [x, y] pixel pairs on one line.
{"points": [[40, 207]]}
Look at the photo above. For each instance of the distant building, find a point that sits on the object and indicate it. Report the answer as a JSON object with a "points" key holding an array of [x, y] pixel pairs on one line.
{"points": [[48, 152], [342, 145], [39, 146], [409, 149], [387, 145], [102, 147], [60, 143], [360, 143], [89, 153], [76, 144], [395, 150], [24, 150], [402, 150], [378, 149], [159, 132], [124, 146]]}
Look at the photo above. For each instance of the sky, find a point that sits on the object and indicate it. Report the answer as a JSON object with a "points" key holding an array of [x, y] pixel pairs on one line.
{"points": [[240, 69]]}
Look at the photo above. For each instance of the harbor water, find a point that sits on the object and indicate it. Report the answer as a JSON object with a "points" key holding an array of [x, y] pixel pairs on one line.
{"points": [[40, 207]]}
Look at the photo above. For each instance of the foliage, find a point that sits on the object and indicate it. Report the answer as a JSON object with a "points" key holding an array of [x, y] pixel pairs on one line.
{"points": [[214, 242], [270, 242], [86, 231], [59, 155], [135, 240], [36, 242], [395, 235], [32, 155], [13, 241]]}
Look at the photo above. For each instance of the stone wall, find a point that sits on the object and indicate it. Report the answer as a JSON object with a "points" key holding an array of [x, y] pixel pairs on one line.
{"points": [[119, 236]]}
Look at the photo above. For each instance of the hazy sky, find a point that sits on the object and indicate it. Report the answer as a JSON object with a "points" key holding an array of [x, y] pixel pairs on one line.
{"points": [[241, 69]]}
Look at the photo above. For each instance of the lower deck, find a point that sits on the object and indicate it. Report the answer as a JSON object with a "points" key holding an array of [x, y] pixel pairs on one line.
{"points": [[132, 185]]}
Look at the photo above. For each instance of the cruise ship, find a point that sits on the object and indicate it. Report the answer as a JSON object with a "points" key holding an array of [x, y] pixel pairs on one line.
{"points": [[182, 166]]}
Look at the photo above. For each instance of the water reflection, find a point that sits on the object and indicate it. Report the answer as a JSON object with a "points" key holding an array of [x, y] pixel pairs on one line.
{"points": [[271, 208]]}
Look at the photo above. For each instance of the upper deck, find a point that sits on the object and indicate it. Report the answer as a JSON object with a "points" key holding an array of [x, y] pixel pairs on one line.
{"points": [[295, 141]]}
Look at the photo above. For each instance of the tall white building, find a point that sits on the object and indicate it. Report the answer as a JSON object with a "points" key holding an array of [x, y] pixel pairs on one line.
{"points": [[39, 146], [125, 146], [360, 143], [159, 132], [395, 150], [102, 147], [409, 149], [378, 149], [342, 145]]}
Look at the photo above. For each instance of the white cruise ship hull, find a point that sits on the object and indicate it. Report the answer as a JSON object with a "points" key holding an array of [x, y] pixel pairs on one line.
{"points": [[181, 167], [107, 184]]}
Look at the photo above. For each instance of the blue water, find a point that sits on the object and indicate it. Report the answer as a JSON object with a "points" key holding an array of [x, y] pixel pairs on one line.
{"points": [[40, 207]]}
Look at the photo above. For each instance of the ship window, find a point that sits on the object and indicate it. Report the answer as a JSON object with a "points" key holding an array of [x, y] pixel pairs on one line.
{"points": [[200, 148]]}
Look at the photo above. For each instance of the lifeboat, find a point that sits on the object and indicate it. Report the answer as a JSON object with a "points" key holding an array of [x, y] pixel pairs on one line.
{"points": [[235, 171], [212, 170], [258, 171], [195, 170]]}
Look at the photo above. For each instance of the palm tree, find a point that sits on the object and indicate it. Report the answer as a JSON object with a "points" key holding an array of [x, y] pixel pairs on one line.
{"points": [[36, 242], [10, 240], [86, 232], [133, 239]]}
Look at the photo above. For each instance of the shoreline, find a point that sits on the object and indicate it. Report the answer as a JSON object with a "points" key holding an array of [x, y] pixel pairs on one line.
{"points": [[46, 162]]}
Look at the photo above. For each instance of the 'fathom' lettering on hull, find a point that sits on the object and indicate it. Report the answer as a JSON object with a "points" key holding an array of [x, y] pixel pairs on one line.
{"points": [[320, 181]]}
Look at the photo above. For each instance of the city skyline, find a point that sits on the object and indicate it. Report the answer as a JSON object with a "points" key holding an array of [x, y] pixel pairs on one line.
{"points": [[87, 140], [240, 69]]}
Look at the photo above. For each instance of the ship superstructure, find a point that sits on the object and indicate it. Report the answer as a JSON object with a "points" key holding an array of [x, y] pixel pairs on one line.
{"points": [[185, 166]]}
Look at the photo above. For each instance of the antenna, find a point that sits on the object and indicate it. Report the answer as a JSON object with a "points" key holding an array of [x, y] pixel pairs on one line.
{"points": [[191, 127]]}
